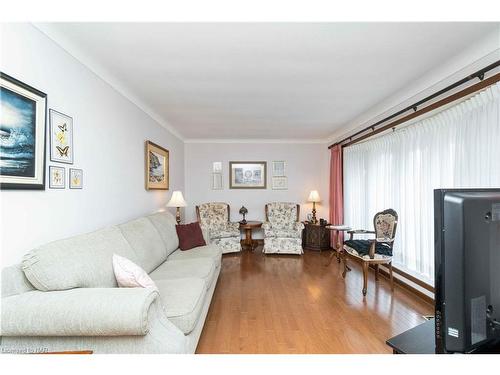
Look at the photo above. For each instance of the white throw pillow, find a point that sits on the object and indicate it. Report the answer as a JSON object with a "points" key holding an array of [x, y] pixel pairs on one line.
{"points": [[130, 275]]}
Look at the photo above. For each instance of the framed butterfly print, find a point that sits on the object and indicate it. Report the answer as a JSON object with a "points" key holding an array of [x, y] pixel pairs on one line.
{"points": [[57, 177], [75, 178], [61, 137]]}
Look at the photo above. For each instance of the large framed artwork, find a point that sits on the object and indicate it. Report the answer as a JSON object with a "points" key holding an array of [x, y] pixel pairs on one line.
{"points": [[157, 171], [61, 137], [22, 135], [247, 175]]}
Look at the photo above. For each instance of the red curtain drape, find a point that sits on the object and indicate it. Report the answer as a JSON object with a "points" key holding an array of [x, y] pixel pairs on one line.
{"points": [[336, 190]]}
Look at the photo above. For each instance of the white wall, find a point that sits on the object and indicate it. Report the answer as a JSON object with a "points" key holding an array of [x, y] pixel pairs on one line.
{"points": [[307, 168], [476, 56], [109, 135]]}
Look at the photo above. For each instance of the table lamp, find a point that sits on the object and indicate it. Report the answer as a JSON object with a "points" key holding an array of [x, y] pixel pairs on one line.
{"points": [[243, 211], [314, 198], [177, 200]]}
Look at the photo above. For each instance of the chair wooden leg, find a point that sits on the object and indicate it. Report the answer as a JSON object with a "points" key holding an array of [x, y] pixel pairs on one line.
{"points": [[376, 272], [390, 276], [365, 277], [344, 261]]}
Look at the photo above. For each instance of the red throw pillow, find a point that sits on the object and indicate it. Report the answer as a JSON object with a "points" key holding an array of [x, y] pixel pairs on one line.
{"points": [[190, 236]]}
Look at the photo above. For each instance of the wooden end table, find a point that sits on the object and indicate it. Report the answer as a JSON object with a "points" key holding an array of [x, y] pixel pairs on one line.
{"points": [[248, 227], [339, 249]]}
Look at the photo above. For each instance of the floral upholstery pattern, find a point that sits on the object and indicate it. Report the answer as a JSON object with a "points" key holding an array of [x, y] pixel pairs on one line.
{"points": [[216, 227], [282, 215], [282, 231], [384, 225], [294, 232]]}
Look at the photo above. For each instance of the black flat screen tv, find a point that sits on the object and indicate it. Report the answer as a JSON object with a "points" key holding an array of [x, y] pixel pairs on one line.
{"points": [[467, 269]]}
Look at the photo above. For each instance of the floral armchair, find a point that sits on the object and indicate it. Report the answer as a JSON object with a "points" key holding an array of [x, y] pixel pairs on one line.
{"points": [[217, 229], [374, 251], [282, 229]]}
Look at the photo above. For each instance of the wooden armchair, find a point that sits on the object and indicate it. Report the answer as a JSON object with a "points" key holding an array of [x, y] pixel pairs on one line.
{"points": [[373, 251]]}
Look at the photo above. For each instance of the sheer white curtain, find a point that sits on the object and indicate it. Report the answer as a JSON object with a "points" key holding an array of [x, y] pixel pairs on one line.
{"points": [[458, 147]]}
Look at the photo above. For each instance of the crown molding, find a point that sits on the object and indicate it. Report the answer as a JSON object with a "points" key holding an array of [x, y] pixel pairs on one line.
{"points": [[103, 74], [256, 140]]}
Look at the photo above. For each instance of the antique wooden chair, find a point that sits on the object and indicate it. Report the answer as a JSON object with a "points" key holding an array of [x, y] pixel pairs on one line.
{"points": [[373, 251]]}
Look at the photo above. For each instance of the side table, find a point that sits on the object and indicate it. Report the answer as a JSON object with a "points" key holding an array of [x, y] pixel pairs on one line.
{"points": [[248, 227], [339, 249], [316, 237]]}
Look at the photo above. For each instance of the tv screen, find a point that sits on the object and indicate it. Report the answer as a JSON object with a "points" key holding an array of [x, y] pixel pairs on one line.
{"points": [[467, 268]]}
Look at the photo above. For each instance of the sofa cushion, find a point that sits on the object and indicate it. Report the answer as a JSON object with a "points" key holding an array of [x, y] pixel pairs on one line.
{"points": [[190, 236], [201, 268], [130, 275], [182, 301], [283, 233], [146, 242], [83, 261], [208, 251], [165, 223]]}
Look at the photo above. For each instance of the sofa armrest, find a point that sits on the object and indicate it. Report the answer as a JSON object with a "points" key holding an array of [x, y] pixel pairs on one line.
{"points": [[266, 227], [234, 227], [78, 312], [298, 226], [206, 234]]}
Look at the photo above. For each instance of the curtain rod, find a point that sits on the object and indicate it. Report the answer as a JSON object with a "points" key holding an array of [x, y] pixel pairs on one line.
{"points": [[479, 74]]}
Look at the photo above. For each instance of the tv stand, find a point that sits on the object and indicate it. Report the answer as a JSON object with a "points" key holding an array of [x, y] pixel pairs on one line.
{"points": [[420, 340]]}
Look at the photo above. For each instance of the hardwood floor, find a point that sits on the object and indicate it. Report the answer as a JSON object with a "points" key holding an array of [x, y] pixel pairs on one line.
{"points": [[292, 304]]}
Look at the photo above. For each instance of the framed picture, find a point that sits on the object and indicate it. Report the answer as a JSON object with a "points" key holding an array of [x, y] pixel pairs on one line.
{"points": [[156, 167], [217, 181], [22, 135], [280, 183], [279, 168], [217, 167], [57, 177], [61, 137], [247, 175], [75, 178]]}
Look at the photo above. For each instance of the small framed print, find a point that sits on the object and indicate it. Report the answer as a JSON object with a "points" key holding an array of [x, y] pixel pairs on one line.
{"points": [[75, 178], [279, 168], [216, 181], [217, 167], [280, 183], [61, 137], [57, 177], [157, 168]]}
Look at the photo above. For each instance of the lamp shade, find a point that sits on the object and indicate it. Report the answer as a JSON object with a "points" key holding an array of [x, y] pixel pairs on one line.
{"points": [[177, 200], [314, 196]]}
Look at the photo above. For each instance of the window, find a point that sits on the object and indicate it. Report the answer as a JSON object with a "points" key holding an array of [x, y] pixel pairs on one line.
{"points": [[456, 148]]}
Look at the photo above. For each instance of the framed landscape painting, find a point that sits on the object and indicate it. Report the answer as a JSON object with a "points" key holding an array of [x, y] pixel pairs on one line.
{"points": [[22, 135], [157, 172], [61, 137], [247, 175]]}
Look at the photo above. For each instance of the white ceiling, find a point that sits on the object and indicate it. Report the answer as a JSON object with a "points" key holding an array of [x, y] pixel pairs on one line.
{"points": [[262, 80]]}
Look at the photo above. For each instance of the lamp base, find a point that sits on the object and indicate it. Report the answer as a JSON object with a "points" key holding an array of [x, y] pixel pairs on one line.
{"points": [[314, 220], [178, 216]]}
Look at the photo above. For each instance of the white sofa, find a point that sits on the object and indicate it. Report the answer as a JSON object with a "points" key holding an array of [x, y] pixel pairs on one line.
{"points": [[64, 296]]}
